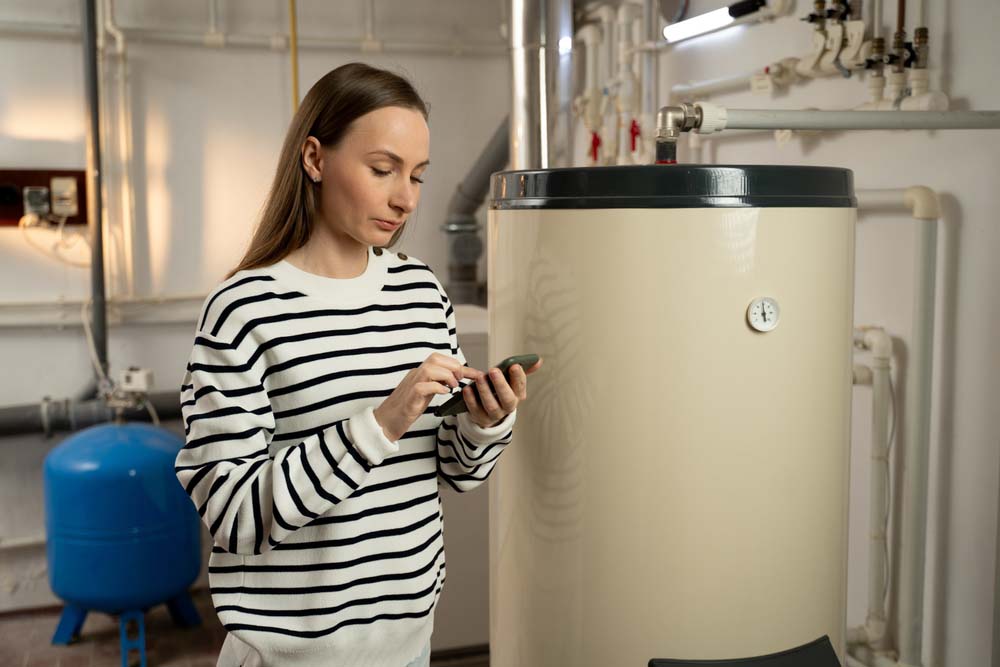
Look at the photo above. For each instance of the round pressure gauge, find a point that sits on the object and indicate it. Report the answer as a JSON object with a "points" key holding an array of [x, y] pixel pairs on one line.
{"points": [[763, 313]]}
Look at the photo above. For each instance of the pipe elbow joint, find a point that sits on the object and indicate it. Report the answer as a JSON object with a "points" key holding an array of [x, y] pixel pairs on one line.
{"points": [[923, 201], [879, 342]]}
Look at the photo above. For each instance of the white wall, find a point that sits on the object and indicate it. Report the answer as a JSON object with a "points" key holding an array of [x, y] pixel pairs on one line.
{"points": [[964, 166], [208, 125]]}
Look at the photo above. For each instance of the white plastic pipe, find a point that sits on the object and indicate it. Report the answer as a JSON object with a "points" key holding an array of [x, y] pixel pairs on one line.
{"points": [[717, 118], [880, 344], [710, 87], [925, 209], [126, 180], [877, 19], [913, 534]]}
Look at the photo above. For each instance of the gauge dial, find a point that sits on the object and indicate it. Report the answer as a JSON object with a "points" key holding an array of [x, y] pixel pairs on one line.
{"points": [[763, 314]]}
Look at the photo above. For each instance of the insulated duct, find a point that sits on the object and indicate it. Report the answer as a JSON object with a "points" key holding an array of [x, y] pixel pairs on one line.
{"points": [[464, 245]]}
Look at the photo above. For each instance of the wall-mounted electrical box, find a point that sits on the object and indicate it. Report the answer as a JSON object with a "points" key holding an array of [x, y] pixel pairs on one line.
{"points": [[52, 193]]}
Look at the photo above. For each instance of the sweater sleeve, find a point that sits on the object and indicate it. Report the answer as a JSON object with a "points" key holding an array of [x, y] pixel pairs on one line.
{"points": [[251, 499], [466, 452]]}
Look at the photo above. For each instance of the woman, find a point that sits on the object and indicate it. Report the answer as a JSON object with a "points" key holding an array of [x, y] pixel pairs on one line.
{"points": [[313, 454]]}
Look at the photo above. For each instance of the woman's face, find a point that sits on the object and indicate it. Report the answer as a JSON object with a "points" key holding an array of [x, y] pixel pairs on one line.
{"points": [[371, 179]]}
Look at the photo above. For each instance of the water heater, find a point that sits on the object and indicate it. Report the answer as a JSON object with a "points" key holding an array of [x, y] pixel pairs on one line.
{"points": [[677, 487]]}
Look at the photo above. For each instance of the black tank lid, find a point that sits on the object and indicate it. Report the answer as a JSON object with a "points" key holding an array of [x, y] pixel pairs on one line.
{"points": [[674, 186]]}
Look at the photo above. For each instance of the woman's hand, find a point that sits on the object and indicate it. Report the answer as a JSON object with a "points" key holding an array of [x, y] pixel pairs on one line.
{"points": [[493, 411], [439, 374]]}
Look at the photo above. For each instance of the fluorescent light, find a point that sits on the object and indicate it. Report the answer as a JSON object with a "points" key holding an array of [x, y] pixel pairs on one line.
{"points": [[698, 25], [741, 11]]}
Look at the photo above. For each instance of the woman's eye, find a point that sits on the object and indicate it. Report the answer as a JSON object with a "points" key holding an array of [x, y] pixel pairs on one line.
{"points": [[417, 180], [380, 172]]}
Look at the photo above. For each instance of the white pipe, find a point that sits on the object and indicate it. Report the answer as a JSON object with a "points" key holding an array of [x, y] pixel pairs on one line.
{"points": [[880, 344], [277, 42], [925, 208], [913, 533], [717, 118], [370, 20], [710, 87], [213, 16], [124, 118], [921, 15], [877, 19]]}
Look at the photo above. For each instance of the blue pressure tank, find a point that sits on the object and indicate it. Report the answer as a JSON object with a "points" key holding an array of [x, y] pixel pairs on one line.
{"points": [[122, 535]]}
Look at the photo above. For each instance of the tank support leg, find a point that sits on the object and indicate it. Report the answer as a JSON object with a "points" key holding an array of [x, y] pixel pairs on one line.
{"points": [[70, 624], [128, 622]]}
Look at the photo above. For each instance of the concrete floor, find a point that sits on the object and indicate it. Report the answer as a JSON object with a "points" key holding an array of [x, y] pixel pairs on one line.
{"points": [[26, 641]]}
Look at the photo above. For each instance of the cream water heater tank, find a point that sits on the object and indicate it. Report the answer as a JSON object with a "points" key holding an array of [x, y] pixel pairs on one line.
{"points": [[677, 487]]}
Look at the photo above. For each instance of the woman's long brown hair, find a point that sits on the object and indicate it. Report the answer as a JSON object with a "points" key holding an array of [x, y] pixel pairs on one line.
{"points": [[329, 108]]}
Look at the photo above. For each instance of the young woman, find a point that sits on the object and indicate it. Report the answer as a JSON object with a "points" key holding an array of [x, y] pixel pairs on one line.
{"points": [[312, 453]]}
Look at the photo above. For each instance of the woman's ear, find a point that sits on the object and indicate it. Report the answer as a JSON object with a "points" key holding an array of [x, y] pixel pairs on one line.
{"points": [[312, 159]]}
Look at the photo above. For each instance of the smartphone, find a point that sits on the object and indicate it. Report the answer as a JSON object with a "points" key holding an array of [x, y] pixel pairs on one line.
{"points": [[456, 404]]}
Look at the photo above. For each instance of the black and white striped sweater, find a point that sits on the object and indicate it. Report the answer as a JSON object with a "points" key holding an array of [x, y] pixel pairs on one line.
{"points": [[328, 537]]}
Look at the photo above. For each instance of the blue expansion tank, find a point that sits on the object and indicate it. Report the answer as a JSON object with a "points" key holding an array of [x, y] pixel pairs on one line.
{"points": [[122, 535]]}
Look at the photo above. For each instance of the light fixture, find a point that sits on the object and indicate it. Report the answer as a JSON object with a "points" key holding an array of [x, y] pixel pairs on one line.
{"points": [[712, 21]]}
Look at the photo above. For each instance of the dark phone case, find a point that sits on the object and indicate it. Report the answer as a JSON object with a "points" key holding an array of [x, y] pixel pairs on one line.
{"points": [[456, 404]]}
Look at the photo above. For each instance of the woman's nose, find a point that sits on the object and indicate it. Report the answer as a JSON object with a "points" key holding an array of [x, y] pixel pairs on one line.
{"points": [[404, 198]]}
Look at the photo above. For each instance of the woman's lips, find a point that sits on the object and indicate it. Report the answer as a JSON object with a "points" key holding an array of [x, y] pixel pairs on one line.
{"points": [[387, 225]]}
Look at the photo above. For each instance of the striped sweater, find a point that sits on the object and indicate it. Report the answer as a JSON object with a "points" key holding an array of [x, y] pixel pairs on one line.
{"points": [[328, 543]]}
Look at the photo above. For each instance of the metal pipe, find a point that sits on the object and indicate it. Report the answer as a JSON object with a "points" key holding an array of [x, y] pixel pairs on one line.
{"points": [[95, 212], [51, 416], [528, 105], [469, 194], [559, 81]]}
